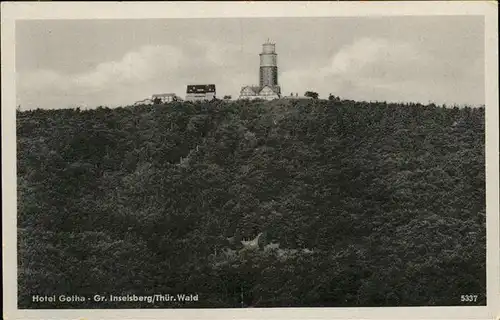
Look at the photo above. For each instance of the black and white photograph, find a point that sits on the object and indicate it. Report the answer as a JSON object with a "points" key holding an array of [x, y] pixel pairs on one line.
{"points": [[258, 160]]}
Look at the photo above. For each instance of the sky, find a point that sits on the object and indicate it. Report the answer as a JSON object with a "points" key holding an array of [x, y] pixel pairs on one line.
{"points": [[88, 63]]}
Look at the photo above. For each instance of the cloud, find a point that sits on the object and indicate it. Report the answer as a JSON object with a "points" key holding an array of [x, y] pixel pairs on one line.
{"points": [[133, 69], [139, 74], [358, 55], [142, 65], [378, 69], [374, 58], [358, 70], [365, 69]]}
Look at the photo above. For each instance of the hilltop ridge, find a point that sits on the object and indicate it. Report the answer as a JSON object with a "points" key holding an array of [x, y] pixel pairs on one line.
{"points": [[357, 196]]}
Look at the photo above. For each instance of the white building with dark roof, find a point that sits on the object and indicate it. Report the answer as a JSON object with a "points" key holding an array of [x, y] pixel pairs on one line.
{"points": [[200, 92]]}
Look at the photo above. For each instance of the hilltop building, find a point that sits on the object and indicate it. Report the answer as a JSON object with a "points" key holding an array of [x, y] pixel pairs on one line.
{"points": [[160, 98], [200, 92], [146, 101], [165, 97], [268, 87]]}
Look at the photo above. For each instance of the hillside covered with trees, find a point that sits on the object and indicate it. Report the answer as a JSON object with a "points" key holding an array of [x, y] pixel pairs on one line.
{"points": [[359, 204]]}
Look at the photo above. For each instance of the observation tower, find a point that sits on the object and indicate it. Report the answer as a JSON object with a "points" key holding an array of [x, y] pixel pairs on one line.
{"points": [[268, 73]]}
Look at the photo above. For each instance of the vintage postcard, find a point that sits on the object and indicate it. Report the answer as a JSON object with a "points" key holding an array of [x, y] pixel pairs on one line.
{"points": [[250, 160]]}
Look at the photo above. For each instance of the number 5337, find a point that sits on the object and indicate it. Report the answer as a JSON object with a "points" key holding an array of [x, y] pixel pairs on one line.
{"points": [[468, 298]]}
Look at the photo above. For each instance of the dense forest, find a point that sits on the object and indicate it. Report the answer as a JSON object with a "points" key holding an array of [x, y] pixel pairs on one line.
{"points": [[359, 204]]}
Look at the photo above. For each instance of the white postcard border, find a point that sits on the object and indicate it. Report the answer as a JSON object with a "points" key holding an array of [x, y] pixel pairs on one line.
{"points": [[12, 11]]}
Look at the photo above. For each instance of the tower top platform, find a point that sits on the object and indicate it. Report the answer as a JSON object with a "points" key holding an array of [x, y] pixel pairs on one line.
{"points": [[268, 47]]}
